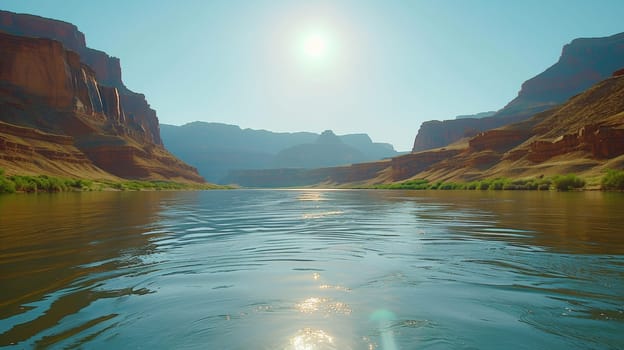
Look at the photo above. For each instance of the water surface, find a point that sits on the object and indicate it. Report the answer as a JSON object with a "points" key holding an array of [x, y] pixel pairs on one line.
{"points": [[312, 269]]}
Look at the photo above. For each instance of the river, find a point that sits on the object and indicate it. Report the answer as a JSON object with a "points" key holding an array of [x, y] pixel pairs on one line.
{"points": [[312, 269]]}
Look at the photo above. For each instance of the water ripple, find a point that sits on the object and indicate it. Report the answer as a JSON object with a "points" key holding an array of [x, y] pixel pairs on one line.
{"points": [[311, 269]]}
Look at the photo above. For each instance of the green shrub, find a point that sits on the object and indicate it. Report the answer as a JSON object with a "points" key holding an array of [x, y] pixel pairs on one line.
{"points": [[484, 185], [23, 183], [512, 187], [543, 187], [446, 186], [435, 186], [613, 180], [497, 184], [568, 182], [6, 185], [81, 184], [472, 185], [531, 185]]}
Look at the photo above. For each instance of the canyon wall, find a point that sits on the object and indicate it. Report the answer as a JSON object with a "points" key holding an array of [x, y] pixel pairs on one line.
{"points": [[585, 135], [54, 90], [583, 63], [107, 69]]}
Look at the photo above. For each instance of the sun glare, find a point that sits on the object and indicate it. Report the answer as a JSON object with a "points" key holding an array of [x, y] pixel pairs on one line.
{"points": [[315, 46]]}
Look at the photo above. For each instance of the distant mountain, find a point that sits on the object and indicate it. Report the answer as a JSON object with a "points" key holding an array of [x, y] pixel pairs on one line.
{"points": [[583, 63], [216, 149], [328, 150]]}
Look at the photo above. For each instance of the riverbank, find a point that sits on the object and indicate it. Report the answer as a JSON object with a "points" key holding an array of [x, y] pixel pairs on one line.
{"points": [[51, 184], [613, 180]]}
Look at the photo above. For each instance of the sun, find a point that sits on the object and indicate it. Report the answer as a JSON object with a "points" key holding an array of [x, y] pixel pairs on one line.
{"points": [[316, 49], [315, 46]]}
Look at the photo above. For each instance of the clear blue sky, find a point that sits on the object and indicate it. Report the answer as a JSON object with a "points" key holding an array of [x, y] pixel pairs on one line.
{"points": [[382, 67]]}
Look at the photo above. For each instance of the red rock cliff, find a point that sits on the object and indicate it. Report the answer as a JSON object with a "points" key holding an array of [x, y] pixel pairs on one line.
{"points": [[51, 89], [107, 69], [583, 63]]}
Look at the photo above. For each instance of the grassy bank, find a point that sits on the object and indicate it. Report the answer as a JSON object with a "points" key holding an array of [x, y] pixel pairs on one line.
{"points": [[44, 183], [613, 180]]}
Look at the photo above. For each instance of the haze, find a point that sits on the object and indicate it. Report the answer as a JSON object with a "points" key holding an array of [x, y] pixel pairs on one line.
{"points": [[378, 67]]}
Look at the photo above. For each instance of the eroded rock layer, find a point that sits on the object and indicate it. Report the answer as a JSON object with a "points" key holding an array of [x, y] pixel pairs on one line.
{"points": [[57, 86]]}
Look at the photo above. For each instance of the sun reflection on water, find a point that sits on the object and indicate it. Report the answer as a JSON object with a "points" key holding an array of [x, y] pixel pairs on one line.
{"points": [[340, 288], [323, 305], [310, 305], [311, 339], [311, 196], [322, 215]]}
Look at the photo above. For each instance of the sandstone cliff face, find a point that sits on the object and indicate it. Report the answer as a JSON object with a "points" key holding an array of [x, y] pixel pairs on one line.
{"points": [[107, 69], [436, 134], [583, 63], [408, 165], [51, 89], [30, 151], [579, 136], [499, 140]]}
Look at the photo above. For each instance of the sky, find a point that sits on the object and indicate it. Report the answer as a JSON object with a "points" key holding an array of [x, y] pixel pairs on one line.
{"points": [[377, 67]]}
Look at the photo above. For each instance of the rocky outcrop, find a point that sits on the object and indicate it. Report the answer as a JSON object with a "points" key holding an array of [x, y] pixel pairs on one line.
{"points": [[408, 165], [602, 142], [436, 134], [46, 87], [499, 140], [24, 147], [583, 63], [618, 73]]}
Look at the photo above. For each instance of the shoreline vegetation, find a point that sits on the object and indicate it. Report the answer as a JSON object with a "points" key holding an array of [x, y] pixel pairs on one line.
{"points": [[613, 180], [51, 184]]}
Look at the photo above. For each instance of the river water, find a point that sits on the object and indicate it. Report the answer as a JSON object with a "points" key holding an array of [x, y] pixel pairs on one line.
{"points": [[312, 269]]}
